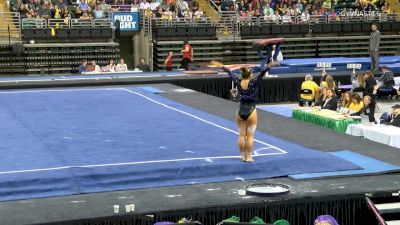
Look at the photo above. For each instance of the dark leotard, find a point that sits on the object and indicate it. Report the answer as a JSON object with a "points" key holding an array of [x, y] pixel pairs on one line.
{"points": [[248, 97]]}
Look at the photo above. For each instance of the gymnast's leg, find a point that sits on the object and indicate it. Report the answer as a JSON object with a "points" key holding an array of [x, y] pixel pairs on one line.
{"points": [[242, 136], [251, 125], [277, 50]]}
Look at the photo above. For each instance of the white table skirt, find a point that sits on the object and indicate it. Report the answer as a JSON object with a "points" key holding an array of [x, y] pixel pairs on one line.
{"points": [[397, 81], [384, 134]]}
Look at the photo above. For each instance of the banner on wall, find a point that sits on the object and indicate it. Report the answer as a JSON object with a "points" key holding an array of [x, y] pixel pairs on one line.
{"points": [[129, 21]]}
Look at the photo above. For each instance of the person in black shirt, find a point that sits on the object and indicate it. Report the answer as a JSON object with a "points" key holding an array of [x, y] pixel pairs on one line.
{"points": [[369, 109], [395, 121], [82, 67], [143, 66], [330, 101]]}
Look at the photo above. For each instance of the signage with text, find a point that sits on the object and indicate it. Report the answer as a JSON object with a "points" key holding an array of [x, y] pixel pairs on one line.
{"points": [[129, 21]]}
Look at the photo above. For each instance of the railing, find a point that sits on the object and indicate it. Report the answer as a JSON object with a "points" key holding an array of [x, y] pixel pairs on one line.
{"points": [[316, 19], [65, 23], [10, 26], [124, 8], [159, 22], [228, 23]]}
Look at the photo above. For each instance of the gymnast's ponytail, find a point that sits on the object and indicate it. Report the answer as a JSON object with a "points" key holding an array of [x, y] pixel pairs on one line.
{"points": [[246, 72]]}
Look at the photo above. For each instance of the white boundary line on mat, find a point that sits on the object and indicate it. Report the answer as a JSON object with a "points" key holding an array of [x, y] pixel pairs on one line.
{"points": [[152, 161]]}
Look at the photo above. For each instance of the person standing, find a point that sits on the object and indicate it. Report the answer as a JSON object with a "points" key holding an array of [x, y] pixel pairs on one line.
{"points": [[187, 55], [374, 41], [168, 61]]}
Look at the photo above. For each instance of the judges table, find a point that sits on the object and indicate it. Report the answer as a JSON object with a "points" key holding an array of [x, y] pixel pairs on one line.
{"points": [[384, 134], [326, 118]]}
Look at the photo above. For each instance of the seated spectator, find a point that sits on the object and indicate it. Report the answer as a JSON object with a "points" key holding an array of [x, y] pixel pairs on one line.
{"points": [[104, 6], [369, 109], [15, 7], [305, 16], [286, 18], [110, 67], [327, 6], [61, 4], [83, 7], [309, 90], [395, 118], [356, 104], [65, 13], [321, 99], [154, 5], [386, 81], [96, 67], [358, 83], [268, 10], [144, 5], [330, 101], [82, 67], [143, 66], [198, 14], [346, 100], [121, 66], [325, 220], [386, 8], [276, 17], [98, 13]]}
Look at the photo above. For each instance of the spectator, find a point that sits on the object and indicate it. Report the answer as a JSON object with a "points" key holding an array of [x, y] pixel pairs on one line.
{"points": [[143, 66], [82, 67], [329, 83], [104, 6], [121, 66], [309, 86], [198, 14], [16, 6], [368, 110], [168, 61], [330, 101], [358, 83], [386, 8], [276, 17], [305, 16], [268, 10], [346, 100], [386, 81], [356, 104], [144, 5], [98, 13], [61, 4], [395, 118], [83, 7], [325, 220], [370, 83], [286, 18], [154, 5], [326, 6], [96, 67], [281, 222], [268, 16], [65, 13], [322, 98], [57, 12], [110, 67]]}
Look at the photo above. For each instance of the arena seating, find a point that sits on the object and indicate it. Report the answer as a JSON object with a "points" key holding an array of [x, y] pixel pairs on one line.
{"points": [[66, 34]]}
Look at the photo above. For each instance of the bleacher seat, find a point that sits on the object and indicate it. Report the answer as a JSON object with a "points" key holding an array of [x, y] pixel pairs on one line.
{"points": [[246, 30], [396, 26], [171, 31], [285, 28], [347, 27], [337, 27], [181, 31], [106, 33], [255, 30], [276, 29], [327, 28], [28, 34], [303, 28], [96, 33], [317, 28], [386, 26], [366, 27], [356, 27], [211, 31], [74, 33], [265, 30], [85, 33], [41, 34], [62, 33], [294, 28]]}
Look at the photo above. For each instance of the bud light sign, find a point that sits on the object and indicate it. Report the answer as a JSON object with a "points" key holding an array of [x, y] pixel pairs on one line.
{"points": [[128, 21]]}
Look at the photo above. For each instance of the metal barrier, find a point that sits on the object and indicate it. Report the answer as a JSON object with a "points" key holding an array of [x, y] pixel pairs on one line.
{"points": [[228, 23], [10, 26], [64, 23], [159, 22]]}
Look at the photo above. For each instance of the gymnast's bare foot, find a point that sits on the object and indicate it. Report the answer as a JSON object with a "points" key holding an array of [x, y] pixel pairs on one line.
{"points": [[243, 157], [249, 159]]}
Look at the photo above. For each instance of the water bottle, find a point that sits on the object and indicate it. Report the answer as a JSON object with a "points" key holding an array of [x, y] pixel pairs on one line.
{"points": [[306, 104]]}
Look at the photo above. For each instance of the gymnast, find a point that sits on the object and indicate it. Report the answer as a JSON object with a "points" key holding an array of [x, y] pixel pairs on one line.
{"points": [[247, 86]]}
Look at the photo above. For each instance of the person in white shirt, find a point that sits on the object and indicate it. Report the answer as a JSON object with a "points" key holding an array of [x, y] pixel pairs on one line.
{"points": [[144, 5], [121, 66], [286, 18], [305, 16], [280, 56], [276, 17], [154, 4]]}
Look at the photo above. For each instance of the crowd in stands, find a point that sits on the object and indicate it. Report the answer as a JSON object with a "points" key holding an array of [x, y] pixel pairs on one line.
{"points": [[361, 100], [285, 10], [98, 9]]}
